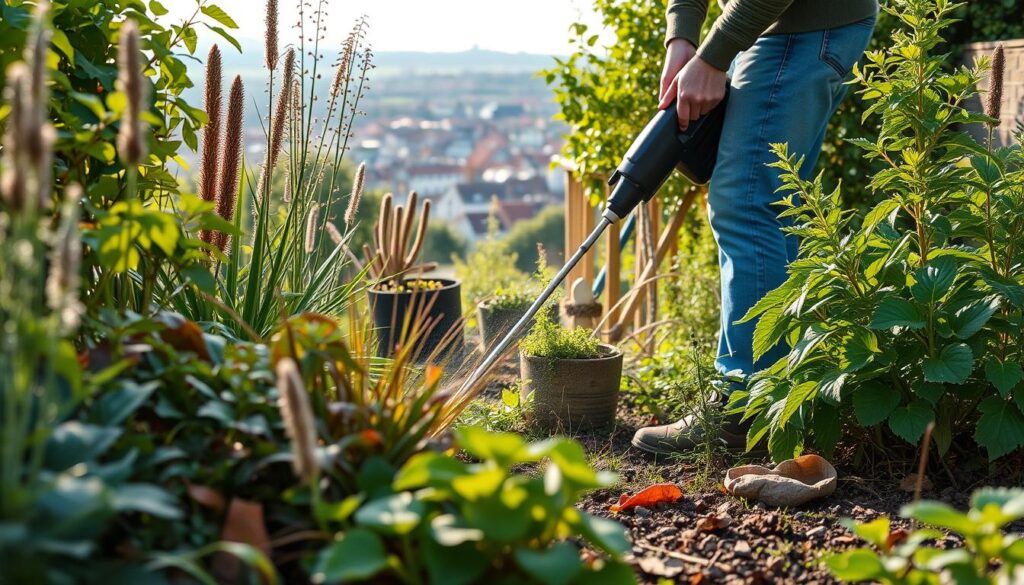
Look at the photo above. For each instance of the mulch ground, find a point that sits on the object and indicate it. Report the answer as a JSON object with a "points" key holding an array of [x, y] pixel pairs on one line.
{"points": [[711, 537]]}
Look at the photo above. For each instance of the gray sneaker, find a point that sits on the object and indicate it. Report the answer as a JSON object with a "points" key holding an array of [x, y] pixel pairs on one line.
{"points": [[686, 435]]}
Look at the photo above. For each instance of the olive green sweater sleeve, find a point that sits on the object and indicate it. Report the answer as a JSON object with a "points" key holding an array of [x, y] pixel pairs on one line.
{"points": [[742, 21]]}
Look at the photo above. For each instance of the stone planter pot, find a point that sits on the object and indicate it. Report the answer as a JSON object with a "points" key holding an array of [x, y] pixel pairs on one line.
{"points": [[573, 394], [390, 309], [495, 322]]}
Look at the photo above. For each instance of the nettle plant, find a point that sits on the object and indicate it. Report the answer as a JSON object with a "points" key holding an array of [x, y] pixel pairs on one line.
{"points": [[988, 554], [911, 314]]}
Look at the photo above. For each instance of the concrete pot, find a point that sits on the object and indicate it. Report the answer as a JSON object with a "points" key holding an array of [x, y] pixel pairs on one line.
{"points": [[495, 322], [573, 394]]}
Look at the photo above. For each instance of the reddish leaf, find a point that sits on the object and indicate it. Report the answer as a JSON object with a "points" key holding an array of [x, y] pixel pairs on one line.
{"points": [[243, 523], [183, 335], [647, 497], [206, 496], [897, 536]]}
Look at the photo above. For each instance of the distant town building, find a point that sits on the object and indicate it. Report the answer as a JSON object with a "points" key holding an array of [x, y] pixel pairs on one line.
{"points": [[466, 206]]}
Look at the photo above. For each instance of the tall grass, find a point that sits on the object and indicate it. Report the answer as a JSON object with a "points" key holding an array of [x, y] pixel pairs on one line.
{"points": [[283, 264]]}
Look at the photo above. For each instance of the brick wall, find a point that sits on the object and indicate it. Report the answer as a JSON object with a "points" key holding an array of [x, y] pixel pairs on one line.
{"points": [[1013, 88]]}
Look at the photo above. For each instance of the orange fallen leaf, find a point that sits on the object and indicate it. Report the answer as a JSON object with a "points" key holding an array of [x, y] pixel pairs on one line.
{"points": [[655, 494], [897, 536]]}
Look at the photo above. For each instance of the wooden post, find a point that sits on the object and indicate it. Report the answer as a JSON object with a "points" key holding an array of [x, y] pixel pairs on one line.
{"points": [[589, 223], [611, 279]]}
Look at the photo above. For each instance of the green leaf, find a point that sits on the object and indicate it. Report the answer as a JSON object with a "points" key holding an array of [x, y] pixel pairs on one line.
{"points": [[856, 565], [940, 515], [933, 281], [428, 469], [909, 422], [217, 13], [146, 498], [970, 319], [114, 406], [607, 535], [875, 532], [873, 402], [798, 395], [358, 555], [953, 364], [74, 442], [398, 514], [785, 443], [557, 565], [505, 449], [1000, 428], [930, 391], [827, 427], [1004, 375], [858, 349], [897, 312], [457, 565]]}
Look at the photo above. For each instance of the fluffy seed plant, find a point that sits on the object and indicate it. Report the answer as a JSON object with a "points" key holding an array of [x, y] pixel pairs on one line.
{"points": [[39, 377], [292, 256], [368, 407]]}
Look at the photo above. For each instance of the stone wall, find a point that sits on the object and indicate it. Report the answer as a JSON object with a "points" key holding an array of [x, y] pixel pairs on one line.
{"points": [[1013, 87]]}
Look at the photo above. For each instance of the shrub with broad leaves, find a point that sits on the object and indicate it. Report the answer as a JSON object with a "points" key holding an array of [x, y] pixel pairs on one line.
{"points": [[911, 314]]}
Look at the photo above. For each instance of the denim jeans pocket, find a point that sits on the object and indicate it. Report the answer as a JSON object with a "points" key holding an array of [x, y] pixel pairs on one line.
{"points": [[842, 46]]}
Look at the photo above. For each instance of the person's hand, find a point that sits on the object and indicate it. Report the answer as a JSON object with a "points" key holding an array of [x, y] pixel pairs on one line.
{"points": [[698, 88], [677, 54]]}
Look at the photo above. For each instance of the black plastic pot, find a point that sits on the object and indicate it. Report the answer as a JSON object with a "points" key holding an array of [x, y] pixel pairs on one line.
{"points": [[495, 322], [391, 309], [573, 394]]}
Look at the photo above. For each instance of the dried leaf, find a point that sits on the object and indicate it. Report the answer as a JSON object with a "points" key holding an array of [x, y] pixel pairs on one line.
{"points": [[649, 496], [713, 522], [243, 523], [909, 483], [897, 536], [206, 496]]}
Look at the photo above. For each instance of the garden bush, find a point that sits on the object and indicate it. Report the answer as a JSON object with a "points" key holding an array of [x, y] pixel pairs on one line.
{"points": [[988, 555], [444, 520], [912, 313]]}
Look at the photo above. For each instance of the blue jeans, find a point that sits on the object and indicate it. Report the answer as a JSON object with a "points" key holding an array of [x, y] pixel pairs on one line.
{"points": [[783, 89]]}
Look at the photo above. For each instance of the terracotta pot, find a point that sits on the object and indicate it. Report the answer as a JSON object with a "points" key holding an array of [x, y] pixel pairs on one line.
{"points": [[573, 394], [390, 309], [495, 322]]}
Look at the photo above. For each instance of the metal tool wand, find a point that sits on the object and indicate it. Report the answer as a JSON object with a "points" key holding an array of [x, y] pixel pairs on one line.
{"points": [[513, 333]]}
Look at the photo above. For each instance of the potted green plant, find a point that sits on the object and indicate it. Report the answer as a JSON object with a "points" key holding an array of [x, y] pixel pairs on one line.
{"points": [[401, 299], [573, 378], [497, 314]]}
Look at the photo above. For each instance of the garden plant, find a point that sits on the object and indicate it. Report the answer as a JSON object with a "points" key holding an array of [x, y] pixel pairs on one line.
{"points": [[910, 313]]}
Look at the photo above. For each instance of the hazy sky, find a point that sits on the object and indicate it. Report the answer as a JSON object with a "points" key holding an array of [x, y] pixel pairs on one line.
{"points": [[533, 26]]}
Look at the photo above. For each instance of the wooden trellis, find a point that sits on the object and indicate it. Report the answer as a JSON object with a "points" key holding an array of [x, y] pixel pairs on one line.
{"points": [[633, 310]]}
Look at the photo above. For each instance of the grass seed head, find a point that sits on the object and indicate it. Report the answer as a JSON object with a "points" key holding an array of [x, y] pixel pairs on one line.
{"points": [[270, 36], [230, 164], [311, 222], [994, 101], [297, 414], [358, 183], [131, 81]]}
